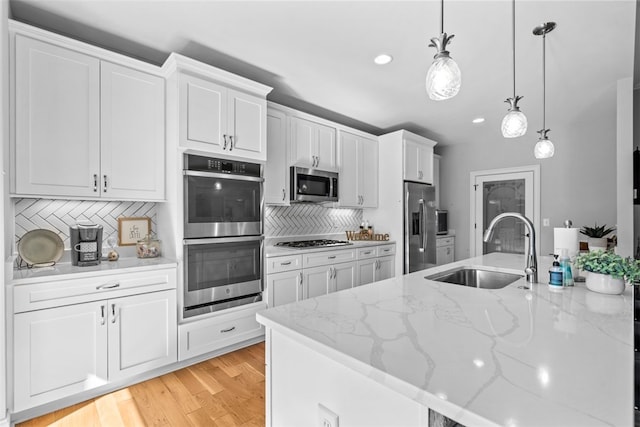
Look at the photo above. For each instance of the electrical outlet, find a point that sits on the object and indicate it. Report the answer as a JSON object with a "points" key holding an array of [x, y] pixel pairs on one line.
{"points": [[545, 222], [326, 417]]}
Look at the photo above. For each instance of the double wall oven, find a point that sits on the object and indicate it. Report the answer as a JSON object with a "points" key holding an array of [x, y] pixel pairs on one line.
{"points": [[223, 245]]}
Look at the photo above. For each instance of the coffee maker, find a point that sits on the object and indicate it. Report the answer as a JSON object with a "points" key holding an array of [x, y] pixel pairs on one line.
{"points": [[86, 244]]}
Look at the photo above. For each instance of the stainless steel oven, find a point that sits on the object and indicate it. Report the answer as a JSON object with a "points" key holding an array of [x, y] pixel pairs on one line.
{"points": [[222, 273], [222, 197], [223, 245]]}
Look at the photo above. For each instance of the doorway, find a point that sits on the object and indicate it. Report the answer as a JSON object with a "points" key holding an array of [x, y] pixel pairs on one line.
{"points": [[504, 190]]}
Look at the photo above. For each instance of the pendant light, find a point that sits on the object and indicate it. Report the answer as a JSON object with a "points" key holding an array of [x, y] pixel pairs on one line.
{"points": [[544, 148], [514, 123], [443, 78]]}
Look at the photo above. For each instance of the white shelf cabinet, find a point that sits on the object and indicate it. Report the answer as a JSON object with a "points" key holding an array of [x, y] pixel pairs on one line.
{"points": [[276, 172], [358, 171], [220, 120], [71, 336], [85, 127], [312, 144], [418, 158], [445, 249]]}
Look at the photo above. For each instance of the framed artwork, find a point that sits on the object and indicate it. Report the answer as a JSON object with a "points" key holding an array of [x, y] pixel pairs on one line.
{"points": [[132, 229]]}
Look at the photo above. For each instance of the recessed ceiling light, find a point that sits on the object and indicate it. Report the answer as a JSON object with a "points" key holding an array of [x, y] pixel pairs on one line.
{"points": [[478, 120], [383, 59]]}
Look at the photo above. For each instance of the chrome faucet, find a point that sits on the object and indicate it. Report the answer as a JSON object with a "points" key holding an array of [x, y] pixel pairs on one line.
{"points": [[531, 269]]}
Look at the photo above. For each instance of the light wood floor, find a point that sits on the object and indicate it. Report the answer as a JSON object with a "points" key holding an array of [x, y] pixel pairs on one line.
{"points": [[225, 391]]}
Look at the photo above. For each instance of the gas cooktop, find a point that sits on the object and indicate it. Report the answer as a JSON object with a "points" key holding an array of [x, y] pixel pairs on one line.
{"points": [[319, 243]]}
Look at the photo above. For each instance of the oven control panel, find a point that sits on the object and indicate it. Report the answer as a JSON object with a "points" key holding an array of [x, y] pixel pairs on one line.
{"points": [[232, 167]]}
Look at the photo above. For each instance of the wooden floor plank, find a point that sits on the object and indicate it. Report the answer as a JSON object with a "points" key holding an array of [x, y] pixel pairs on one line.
{"points": [[225, 391]]}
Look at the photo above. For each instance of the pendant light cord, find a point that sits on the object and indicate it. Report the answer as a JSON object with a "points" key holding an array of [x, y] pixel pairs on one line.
{"points": [[544, 86], [513, 28], [441, 16]]}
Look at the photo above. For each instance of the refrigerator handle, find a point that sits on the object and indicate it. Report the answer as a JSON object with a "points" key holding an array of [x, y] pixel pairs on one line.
{"points": [[423, 234]]}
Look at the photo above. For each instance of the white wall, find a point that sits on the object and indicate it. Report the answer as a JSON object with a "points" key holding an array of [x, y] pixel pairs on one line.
{"points": [[578, 183], [4, 137]]}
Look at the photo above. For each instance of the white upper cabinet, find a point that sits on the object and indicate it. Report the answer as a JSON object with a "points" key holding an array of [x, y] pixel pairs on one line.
{"points": [[418, 158], [132, 133], [276, 172], [57, 121], [358, 171], [312, 144], [220, 120], [84, 127]]}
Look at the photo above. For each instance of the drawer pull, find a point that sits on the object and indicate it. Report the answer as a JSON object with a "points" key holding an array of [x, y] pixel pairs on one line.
{"points": [[227, 330], [108, 286], [286, 263], [367, 253], [331, 257]]}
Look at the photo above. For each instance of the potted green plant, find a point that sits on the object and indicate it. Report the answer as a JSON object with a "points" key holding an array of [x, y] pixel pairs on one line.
{"points": [[607, 271], [597, 236]]}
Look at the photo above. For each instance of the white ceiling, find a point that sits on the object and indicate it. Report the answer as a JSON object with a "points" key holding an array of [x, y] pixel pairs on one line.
{"points": [[317, 55]]}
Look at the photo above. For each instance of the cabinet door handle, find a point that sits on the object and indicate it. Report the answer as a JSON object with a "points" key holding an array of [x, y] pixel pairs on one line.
{"points": [[102, 318], [222, 331], [113, 313], [286, 263], [224, 146], [301, 277], [284, 194], [230, 142], [108, 286], [448, 251], [377, 264], [95, 182], [104, 189]]}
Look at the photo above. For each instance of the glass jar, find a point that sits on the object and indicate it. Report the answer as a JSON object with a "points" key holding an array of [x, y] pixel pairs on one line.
{"points": [[149, 247]]}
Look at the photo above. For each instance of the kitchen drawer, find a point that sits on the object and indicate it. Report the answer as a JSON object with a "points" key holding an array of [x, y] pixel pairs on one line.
{"points": [[385, 250], [445, 241], [73, 291], [368, 252], [315, 259], [215, 333], [283, 263]]}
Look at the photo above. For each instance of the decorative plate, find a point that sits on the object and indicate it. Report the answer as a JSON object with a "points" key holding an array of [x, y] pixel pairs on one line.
{"points": [[40, 247]]}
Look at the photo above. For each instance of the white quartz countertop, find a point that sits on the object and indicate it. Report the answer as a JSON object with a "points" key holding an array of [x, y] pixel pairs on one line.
{"points": [[65, 270], [273, 251], [510, 356]]}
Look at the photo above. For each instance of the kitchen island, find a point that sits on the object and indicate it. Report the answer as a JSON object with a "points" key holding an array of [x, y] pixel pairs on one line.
{"points": [[385, 353]]}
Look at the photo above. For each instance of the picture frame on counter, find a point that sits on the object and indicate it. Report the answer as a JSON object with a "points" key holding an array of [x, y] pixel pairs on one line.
{"points": [[132, 229]]}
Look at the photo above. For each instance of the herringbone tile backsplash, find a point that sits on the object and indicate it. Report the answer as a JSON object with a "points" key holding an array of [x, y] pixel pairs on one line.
{"points": [[58, 215], [309, 218]]}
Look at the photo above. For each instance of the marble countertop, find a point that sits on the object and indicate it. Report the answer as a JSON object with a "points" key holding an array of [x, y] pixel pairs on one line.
{"points": [[65, 270], [511, 356], [271, 250]]}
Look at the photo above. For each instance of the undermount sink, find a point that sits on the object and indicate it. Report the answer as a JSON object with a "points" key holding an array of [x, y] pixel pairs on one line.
{"points": [[475, 278]]}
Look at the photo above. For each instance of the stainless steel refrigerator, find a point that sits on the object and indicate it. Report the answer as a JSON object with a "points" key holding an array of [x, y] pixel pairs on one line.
{"points": [[419, 226]]}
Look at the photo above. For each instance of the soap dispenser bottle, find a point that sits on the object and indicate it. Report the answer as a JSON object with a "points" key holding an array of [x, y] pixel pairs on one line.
{"points": [[565, 264], [555, 274]]}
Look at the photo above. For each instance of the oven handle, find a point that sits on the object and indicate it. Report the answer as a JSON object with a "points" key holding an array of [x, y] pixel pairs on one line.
{"points": [[222, 240], [222, 175]]}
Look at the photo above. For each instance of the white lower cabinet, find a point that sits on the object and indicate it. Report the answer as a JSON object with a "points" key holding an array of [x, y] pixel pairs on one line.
{"points": [[293, 278], [215, 333], [74, 335], [445, 250], [65, 350]]}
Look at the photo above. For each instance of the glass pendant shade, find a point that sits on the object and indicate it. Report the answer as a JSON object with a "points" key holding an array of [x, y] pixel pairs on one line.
{"points": [[514, 124], [443, 78], [543, 149]]}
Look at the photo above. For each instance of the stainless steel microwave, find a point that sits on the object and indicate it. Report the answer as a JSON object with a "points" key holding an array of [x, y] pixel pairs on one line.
{"points": [[313, 185]]}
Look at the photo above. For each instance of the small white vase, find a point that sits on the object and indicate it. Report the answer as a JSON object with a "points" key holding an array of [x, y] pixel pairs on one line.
{"points": [[604, 283], [597, 243]]}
